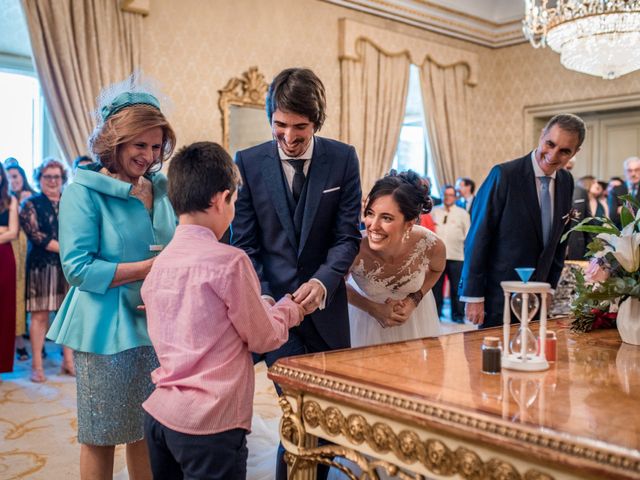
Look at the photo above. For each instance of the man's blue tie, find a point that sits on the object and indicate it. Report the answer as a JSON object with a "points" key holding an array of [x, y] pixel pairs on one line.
{"points": [[545, 208]]}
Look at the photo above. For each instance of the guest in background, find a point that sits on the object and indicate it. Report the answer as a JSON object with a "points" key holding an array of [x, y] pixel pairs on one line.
{"points": [[593, 205], [426, 220], [631, 186], [466, 188], [578, 241], [602, 197], [81, 161], [632, 175], [8, 233], [113, 217], [597, 204], [518, 219], [614, 182], [46, 285], [200, 412], [452, 224], [18, 183], [20, 188]]}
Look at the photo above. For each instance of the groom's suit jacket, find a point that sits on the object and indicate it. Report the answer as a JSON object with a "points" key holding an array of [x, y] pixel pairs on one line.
{"points": [[506, 232], [318, 238]]}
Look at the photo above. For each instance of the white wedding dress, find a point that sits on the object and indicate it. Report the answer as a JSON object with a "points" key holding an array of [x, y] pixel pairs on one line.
{"points": [[378, 282]]}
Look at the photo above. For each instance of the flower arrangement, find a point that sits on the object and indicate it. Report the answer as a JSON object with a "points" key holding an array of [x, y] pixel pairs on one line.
{"points": [[613, 274]]}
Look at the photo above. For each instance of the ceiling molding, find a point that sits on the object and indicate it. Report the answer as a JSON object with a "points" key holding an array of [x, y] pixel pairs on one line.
{"points": [[482, 28]]}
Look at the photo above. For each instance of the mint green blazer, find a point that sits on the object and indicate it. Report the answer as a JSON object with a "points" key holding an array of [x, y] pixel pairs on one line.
{"points": [[100, 226]]}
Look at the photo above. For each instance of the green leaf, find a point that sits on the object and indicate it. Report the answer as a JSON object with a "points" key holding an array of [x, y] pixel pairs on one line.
{"points": [[593, 225], [626, 217], [608, 221], [594, 246], [597, 229], [630, 199]]}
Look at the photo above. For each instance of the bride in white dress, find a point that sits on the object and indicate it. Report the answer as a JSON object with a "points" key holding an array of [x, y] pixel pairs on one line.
{"points": [[389, 288]]}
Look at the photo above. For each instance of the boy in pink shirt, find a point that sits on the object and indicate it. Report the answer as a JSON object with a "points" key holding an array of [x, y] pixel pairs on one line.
{"points": [[205, 314]]}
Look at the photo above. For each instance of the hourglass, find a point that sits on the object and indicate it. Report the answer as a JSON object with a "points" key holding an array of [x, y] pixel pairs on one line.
{"points": [[523, 352]]}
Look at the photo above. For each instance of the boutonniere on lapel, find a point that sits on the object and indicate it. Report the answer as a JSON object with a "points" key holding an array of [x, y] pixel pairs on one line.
{"points": [[572, 216]]}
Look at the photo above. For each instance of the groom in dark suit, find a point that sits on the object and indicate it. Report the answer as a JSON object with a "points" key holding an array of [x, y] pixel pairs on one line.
{"points": [[297, 216], [518, 218]]}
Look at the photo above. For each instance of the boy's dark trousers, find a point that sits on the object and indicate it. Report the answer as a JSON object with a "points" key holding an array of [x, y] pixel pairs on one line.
{"points": [[176, 456]]}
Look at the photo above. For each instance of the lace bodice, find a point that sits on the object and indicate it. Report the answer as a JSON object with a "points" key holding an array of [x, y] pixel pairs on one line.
{"points": [[379, 281]]}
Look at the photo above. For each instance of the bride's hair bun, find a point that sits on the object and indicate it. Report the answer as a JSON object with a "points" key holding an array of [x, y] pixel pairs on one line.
{"points": [[410, 191]]}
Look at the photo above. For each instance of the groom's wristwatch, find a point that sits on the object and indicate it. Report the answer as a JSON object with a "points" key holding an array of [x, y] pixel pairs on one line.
{"points": [[416, 296]]}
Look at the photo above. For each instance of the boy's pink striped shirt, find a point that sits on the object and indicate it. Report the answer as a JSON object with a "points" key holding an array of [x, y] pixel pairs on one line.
{"points": [[204, 315]]}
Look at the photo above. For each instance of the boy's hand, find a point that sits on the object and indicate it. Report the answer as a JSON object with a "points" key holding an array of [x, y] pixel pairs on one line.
{"points": [[141, 308], [301, 309]]}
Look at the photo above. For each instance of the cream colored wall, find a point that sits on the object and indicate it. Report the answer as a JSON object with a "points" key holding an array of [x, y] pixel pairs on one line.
{"points": [[517, 77], [194, 46]]}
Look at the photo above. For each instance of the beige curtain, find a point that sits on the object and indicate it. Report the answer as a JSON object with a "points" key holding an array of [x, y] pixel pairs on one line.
{"points": [[374, 94], [80, 46], [446, 97]]}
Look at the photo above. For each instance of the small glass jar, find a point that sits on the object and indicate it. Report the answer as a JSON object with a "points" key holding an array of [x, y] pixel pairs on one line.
{"points": [[550, 346], [491, 355]]}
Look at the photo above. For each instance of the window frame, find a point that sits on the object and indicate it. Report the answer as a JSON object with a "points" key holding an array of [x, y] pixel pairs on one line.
{"points": [[19, 65]]}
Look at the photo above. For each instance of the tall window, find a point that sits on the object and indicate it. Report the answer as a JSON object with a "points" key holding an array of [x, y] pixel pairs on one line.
{"points": [[24, 129], [413, 147]]}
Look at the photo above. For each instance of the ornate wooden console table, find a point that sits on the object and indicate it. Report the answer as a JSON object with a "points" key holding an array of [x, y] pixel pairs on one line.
{"points": [[423, 409]]}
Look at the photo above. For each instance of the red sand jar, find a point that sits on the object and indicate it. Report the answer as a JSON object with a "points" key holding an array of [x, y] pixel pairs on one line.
{"points": [[550, 346]]}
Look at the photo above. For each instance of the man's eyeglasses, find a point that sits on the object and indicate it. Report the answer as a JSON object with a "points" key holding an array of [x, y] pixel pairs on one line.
{"points": [[55, 178], [444, 220]]}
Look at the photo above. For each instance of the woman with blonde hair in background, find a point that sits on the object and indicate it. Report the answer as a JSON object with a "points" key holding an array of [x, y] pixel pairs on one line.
{"points": [[114, 217]]}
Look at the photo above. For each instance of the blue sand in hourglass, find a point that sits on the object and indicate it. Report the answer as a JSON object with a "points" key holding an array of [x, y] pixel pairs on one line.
{"points": [[525, 273]]}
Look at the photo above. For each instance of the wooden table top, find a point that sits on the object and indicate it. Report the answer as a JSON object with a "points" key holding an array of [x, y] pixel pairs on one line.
{"points": [[586, 406]]}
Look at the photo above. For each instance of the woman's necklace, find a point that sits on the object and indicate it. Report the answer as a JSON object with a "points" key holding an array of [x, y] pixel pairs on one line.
{"points": [[141, 189]]}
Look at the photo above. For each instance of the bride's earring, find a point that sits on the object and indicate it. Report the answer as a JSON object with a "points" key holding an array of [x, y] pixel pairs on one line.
{"points": [[406, 236]]}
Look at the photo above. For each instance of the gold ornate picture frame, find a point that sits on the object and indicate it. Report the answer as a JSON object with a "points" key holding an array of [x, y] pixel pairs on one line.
{"points": [[249, 90]]}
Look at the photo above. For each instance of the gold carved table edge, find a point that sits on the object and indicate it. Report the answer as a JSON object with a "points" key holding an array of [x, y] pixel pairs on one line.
{"points": [[591, 458]]}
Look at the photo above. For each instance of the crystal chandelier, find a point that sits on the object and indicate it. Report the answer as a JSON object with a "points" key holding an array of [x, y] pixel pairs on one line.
{"points": [[597, 37]]}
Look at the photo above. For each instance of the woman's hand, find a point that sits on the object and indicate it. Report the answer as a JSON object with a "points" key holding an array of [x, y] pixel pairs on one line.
{"points": [[402, 310], [132, 272], [390, 313], [148, 264]]}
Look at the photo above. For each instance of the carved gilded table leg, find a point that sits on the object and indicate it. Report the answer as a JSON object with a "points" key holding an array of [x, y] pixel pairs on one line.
{"points": [[303, 453]]}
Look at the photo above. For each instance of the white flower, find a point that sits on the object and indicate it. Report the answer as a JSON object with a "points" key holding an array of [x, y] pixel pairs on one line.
{"points": [[625, 248]]}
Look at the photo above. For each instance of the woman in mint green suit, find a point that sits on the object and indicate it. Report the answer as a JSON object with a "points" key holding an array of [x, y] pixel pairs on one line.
{"points": [[114, 217]]}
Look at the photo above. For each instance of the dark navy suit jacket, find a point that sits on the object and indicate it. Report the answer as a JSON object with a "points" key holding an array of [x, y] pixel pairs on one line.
{"points": [[506, 232], [320, 240]]}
